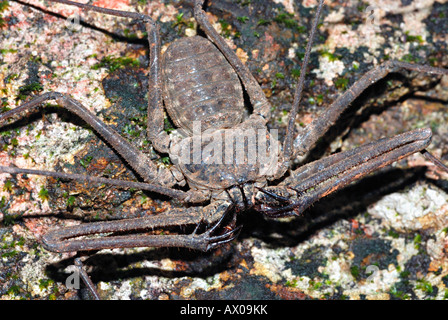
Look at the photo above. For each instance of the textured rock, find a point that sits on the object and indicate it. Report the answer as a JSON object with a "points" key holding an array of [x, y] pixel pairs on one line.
{"points": [[336, 251]]}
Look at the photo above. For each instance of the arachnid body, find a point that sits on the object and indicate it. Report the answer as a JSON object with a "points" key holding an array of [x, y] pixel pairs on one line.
{"points": [[223, 191]]}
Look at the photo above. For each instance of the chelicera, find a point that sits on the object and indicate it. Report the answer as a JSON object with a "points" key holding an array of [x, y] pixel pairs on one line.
{"points": [[200, 83]]}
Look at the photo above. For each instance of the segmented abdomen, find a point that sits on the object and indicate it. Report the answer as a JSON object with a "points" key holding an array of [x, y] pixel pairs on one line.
{"points": [[200, 85]]}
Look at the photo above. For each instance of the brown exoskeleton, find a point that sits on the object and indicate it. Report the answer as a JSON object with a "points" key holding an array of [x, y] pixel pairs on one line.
{"points": [[215, 101]]}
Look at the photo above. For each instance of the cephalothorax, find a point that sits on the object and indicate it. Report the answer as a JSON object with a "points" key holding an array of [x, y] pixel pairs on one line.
{"points": [[227, 157]]}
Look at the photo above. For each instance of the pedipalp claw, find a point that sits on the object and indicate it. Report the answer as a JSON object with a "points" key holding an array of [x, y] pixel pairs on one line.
{"points": [[210, 241], [224, 238]]}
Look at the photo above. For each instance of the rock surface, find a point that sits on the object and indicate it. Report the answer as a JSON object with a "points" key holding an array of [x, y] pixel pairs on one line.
{"points": [[382, 238]]}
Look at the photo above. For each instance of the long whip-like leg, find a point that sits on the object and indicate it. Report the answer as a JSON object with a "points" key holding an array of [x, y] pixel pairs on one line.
{"points": [[173, 193], [290, 132], [85, 277]]}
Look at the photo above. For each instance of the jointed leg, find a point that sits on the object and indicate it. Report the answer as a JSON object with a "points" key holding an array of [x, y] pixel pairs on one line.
{"points": [[316, 129], [86, 279], [288, 150], [156, 134], [261, 106], [173, 193], [135, 158], [320, 178]]}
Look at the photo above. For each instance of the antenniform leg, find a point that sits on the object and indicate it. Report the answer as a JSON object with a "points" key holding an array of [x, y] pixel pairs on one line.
{"points": [[134, 157], [86, 279]]}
